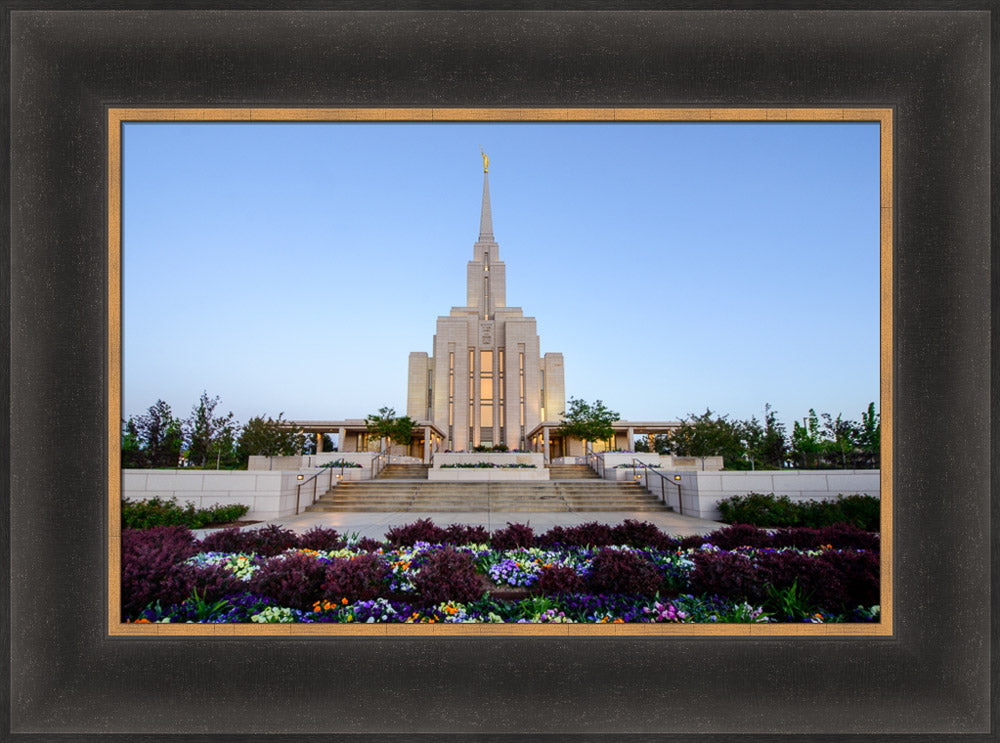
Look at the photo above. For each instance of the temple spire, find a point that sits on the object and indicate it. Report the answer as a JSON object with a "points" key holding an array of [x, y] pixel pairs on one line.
{"points": [[486, 220]]}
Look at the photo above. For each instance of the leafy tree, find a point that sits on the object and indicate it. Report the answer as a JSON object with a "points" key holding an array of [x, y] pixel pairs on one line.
{"points": [[807, 440], [751, 435], [587, 422], [841, 439], [385, 424], [707, 435], [641, 445], [210, 436], [269, 437], [132, 453], [774, 448], [160, 435], [870, 436]]}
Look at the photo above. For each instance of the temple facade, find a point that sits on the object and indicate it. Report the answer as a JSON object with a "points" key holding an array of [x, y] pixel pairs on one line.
{"points": [[486, 382]]}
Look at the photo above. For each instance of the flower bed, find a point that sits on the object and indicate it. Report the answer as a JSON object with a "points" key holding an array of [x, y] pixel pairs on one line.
{"points": [[422, 573], [486, 465]]}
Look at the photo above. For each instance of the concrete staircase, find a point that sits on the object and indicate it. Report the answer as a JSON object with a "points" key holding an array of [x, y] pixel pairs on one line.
{"points": [[571, 472], [403, 472], [391, 494]]}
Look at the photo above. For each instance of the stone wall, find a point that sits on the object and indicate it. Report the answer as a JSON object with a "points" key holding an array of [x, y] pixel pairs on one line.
{"points": [[702, 491], [268, 494]]}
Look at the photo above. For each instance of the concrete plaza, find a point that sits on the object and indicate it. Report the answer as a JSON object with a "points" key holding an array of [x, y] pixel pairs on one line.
{"points": [[375, 524]]}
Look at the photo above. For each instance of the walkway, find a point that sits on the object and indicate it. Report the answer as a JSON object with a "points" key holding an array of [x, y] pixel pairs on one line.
{"points": [[375, 525]]}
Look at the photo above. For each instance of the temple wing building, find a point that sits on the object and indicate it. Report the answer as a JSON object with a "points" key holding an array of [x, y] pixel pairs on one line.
{"points": [[486, 382]]}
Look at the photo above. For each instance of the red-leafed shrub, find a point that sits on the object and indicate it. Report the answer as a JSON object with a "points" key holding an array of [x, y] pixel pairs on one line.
{"points": [[272, 540], [267, 541], [739, 535], [642, 534], [859, 579], [319, 538], [365, 576], [692, 541], [848, 536], [799, 537], [294, 580], [591, 534], [728, 574], [421, 530], [460, 534], [212, 582], [834, 581], [620, 571], [448, 575], [558, 579], [514, 536], [231, 539], [367, 544], [150, 566], [839, 536]]}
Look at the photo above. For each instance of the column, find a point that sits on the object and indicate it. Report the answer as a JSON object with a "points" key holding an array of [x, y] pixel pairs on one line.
{"points": [[545, 440], [631, 442], [319, 443], [427, 444], [341, 439]]}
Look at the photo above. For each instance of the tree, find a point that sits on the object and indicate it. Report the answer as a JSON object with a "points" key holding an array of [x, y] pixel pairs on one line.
{"points": [[385, 424], [751, 435], [210, 436], [774, 447], [160, 435], [132, 453], [807, 440], [587, 422], [270, 438], [870, 436], [707, 435], [841, 439]]}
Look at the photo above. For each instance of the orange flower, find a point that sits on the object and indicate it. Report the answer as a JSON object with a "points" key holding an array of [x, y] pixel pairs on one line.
{"points": [[344, 601]]}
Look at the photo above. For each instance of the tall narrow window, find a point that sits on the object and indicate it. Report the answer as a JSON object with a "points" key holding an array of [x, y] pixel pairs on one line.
{"points": [[486, 285], [451, 398], [472, 397], [430, 394], [541, 377], [520, 370], [501, 412], [486, 396]]}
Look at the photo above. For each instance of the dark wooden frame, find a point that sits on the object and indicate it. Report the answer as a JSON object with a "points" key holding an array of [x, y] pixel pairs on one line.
{"points": [[930, 679]]}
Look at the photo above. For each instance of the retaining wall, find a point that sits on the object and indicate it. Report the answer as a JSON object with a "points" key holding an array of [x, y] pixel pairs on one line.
{"points": [[268, 494], [702, 491]]}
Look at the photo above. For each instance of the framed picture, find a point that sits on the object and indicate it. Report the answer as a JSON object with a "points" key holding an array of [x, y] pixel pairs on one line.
{"points": [[71, 70]]}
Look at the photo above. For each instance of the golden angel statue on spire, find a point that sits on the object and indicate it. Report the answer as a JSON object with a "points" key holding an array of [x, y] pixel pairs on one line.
{"points": [[486, 160]]}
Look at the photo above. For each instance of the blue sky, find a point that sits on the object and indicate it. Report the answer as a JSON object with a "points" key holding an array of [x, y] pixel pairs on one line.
{"points": [[677, 266]]}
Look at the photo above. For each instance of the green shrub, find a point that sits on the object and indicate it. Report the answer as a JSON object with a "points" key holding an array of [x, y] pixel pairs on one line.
{"points": [[771, 511], [758, 509], [158, 512]]}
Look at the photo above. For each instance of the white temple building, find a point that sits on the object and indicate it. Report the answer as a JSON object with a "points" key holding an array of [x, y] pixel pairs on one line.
{"points": [[486, 382]]}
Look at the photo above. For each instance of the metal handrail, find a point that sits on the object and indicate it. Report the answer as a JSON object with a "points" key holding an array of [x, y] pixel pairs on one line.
{"points": [[314, 480], [638, 464], [381, 460], [594, 461]]}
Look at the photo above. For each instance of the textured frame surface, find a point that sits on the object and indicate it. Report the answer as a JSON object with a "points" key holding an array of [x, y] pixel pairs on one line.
{"points": [[932, 677]]}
